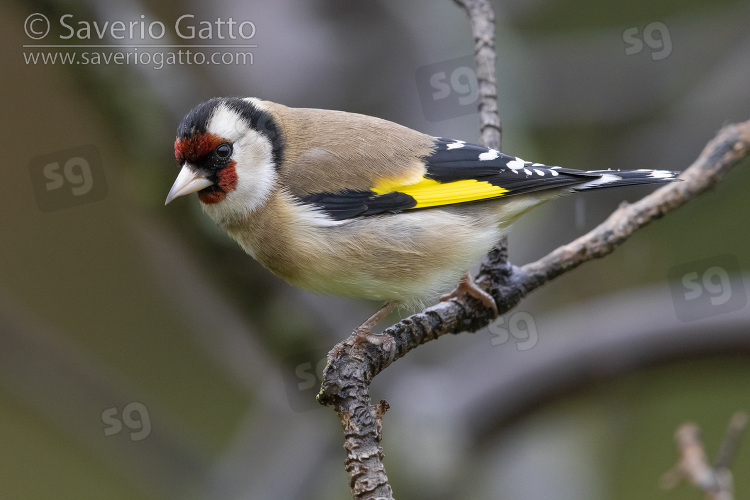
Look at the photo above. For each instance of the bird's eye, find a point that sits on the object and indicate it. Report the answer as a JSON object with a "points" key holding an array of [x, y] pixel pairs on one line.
{"points": [[224, 150]]}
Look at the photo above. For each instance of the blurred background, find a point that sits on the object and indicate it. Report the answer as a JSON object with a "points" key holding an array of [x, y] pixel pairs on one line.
{"points": [[143, 355]]}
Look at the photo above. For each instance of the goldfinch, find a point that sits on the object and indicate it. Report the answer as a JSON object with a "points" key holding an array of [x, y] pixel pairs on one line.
{"points": [[353, 205]]}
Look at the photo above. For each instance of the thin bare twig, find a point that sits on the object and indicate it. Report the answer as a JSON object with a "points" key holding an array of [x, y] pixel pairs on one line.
{"points": [[482, 18], [731, 442], [693, 466]]}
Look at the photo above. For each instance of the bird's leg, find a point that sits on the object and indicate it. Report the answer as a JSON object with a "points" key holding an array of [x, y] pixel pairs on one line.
{"points": [[365, 329], [467, 287], [363, 334]]}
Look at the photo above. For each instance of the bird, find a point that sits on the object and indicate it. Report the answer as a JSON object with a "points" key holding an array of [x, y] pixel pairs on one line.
{"points": [[353, 205]]}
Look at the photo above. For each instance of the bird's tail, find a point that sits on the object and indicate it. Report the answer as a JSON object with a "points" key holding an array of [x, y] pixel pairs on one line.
{"points": [[614, 178]]}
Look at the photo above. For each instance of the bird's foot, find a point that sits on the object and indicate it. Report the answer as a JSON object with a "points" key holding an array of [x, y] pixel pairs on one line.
{"points": [[467, 287], [363, 334]]}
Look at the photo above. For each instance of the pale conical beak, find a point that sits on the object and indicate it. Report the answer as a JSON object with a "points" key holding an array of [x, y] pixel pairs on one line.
{"points": [[188, 181]]}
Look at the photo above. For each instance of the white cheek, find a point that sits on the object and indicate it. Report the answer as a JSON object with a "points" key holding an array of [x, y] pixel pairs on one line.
{"points": [[256, 173]]}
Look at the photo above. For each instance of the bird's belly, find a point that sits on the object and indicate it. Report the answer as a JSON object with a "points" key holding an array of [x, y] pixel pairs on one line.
{"points": [[408, 258]]}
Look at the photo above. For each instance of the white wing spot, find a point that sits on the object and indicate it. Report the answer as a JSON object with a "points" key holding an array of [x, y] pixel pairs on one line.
{"points": [[527, 171], [456, 145], [553, 172], [604, 179], [539, 172], [515, 164], [661, 174], [489, 155]]}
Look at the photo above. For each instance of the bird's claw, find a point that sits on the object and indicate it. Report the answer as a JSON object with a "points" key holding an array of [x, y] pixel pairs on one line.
{"points": [[467, 287]]}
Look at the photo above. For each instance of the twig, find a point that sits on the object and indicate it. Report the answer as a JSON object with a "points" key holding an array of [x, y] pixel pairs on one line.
{"points": [[353, 364], [693, 465], [482, 18], [731, 441]]}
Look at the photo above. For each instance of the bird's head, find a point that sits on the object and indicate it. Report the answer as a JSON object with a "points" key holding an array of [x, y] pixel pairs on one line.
{"points": [[228, 150]]}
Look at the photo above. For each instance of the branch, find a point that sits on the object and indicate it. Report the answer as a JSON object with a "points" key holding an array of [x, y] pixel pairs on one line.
{"points": [[352, 364], [693, 465], [346, 384]]}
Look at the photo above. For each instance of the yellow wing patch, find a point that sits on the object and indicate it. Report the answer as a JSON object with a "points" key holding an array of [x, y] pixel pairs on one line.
{"points": [[430, 193]]}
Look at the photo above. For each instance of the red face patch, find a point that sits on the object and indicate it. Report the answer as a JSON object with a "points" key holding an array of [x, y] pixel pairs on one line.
{"points": [[228, 178], [210, 196], [195, 147], [227, 182]]}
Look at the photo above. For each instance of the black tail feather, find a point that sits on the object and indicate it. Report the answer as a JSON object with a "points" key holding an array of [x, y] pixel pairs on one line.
{"points": [[616, 178]]}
